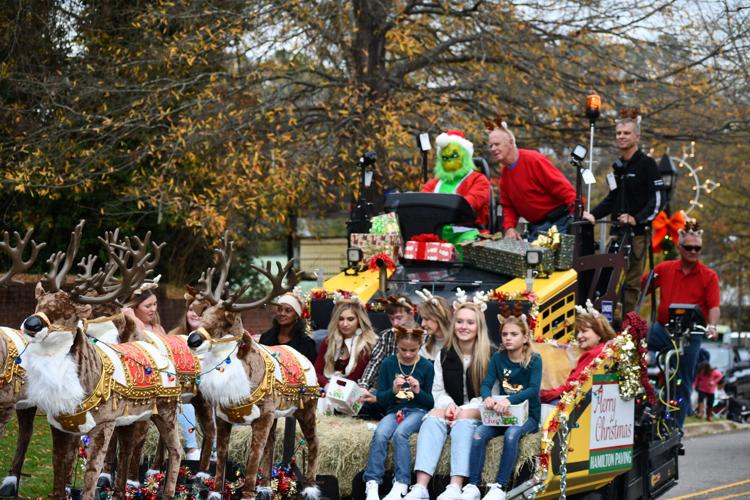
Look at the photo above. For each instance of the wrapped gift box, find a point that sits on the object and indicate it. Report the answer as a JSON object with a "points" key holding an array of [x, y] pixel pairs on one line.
{"points": [[372, 244], [506, 257], [385, 224], [564, 254], [430, 250], [344, 394], [516, 415]]}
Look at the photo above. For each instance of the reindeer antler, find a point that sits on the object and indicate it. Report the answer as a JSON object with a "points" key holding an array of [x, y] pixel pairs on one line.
{"points": [[131, 260], [225, 254], [277, 282], [56, 275], [18, 265]]}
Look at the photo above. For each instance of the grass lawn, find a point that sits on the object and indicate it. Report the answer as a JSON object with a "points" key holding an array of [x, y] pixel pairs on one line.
{"points": [[38, 465]]}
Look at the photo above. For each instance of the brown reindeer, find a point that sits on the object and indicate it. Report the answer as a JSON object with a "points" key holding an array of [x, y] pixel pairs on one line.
{"points": [[12, 344], [69, 312], [250, 383], [89, 389]]}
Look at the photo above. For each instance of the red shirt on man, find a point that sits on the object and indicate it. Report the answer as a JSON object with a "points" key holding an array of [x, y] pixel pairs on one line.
{"points": [[532, 188], [700, 286]]}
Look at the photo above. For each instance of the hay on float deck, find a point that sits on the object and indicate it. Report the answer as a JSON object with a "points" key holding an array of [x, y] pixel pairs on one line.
{"points": [[344, 443]]}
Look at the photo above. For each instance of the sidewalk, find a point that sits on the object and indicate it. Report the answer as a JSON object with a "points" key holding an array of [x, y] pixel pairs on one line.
{"points": [[701, 428]]}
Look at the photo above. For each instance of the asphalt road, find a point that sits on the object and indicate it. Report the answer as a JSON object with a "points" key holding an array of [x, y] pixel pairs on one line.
{"points": [[714, 467]]}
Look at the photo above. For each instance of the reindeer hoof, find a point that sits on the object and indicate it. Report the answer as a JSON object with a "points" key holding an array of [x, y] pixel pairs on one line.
{"points": [[9, 488], [263, 493], [104, 481], [311, 493]]}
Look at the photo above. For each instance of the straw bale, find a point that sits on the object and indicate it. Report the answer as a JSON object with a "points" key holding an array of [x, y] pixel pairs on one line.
{"points": [[345, 444]]}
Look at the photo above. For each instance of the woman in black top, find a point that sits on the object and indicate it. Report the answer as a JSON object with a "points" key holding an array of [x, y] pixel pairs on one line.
{"points": [[290, 328]]}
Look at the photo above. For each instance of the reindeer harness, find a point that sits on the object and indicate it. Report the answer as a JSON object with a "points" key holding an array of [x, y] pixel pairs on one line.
{"points": [[12, 370]]}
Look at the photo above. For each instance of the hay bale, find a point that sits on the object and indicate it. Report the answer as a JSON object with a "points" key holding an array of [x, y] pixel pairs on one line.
{"points": [[344, 444]]}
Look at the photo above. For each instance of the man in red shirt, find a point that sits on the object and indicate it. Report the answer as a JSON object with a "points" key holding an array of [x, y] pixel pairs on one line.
{"points": [[685, 281], [530, 187]]}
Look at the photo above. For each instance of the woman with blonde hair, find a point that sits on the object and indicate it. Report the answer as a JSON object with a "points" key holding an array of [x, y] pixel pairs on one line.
{"points": [[459, 371], [346, 350], [437, 317]]}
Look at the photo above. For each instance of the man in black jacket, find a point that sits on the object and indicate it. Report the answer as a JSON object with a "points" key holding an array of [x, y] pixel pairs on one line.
{"points": [[634, 199]]}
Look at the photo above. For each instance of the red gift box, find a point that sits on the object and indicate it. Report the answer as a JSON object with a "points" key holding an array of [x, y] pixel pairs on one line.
{"points": [[429, 247]]}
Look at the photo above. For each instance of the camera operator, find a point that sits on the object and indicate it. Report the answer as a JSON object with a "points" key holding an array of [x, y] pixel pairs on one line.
{"points": [[685, 281], [633, 201]]}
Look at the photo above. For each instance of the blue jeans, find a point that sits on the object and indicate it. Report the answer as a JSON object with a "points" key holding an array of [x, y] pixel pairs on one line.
{"points": [[658, 340], [562, 226], [389, 428], [186, 419], [432, 436], [512, 437]]}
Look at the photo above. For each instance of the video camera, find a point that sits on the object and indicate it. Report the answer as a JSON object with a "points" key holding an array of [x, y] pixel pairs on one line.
{"points": [[683, 319]]}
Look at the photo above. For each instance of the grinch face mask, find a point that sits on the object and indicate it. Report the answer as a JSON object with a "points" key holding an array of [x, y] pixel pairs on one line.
{"points": [[452, 156]]}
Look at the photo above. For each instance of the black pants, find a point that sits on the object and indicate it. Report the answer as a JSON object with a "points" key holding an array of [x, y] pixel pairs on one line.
{"points": [[708, 397]]}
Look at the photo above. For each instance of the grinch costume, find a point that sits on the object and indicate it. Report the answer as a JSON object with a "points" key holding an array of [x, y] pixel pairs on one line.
{"points": [[455, 173]]}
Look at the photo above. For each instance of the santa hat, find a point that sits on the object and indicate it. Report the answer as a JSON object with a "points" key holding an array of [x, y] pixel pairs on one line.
{"points": [[455, 137]]}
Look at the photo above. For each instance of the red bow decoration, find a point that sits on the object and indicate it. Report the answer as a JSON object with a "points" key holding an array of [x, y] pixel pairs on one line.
{"points": [[427, 238], [664, 225], [372, 263]]}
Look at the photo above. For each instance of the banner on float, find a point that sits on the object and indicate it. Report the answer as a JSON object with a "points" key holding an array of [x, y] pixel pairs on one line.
{"points": [[612, 426]]}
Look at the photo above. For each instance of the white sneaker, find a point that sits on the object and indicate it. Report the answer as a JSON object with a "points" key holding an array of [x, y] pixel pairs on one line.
{"points": [[470, 492], [494, 492], [418, 492], [371, 490], [397, 492], [452, 492]]}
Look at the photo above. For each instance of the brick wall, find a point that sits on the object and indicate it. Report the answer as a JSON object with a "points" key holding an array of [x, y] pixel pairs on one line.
{"points": [[17, 302]]}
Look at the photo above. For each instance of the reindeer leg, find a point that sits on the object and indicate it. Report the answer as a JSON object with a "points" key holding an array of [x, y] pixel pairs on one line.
{"points": [[166, 423], [307, 422], [109, 464], [204, 414], [25, 430], [261, 427], [267, 461], [124, 435], [100, 436], [224, 430], [63, 458], [136, 441]]}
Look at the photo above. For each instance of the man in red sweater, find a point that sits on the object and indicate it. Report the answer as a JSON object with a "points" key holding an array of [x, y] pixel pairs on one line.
{"points": [[530, 187], [685, 281]]}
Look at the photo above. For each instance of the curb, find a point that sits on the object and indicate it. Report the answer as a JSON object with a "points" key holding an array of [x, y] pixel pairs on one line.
{"points": [[716, 427]]}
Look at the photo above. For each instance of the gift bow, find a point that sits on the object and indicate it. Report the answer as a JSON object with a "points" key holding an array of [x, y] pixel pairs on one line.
{"points": [[664, 225], [550, 239], [427, 238]]}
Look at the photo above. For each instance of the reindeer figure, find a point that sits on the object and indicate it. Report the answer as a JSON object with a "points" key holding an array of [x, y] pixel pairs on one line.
{"points": [[12, 344], [252, 384], [88, 388]]}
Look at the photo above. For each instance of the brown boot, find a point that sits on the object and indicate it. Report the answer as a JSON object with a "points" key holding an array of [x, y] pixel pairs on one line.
{"points": [[709, 413], [699, 410]]}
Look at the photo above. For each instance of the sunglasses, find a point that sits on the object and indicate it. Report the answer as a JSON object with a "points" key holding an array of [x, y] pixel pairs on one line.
{"points": [[692, 248]]}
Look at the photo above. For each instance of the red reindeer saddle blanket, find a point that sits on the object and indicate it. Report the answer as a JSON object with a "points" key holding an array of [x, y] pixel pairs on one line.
{"points": [[141, 371], [176, 347]]}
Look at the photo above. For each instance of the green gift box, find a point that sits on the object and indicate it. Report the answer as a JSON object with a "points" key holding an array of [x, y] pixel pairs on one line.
{"points": [[385, 224]]}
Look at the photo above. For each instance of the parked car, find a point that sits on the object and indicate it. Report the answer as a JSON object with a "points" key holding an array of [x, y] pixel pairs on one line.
{"points": [[734, 363]]}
